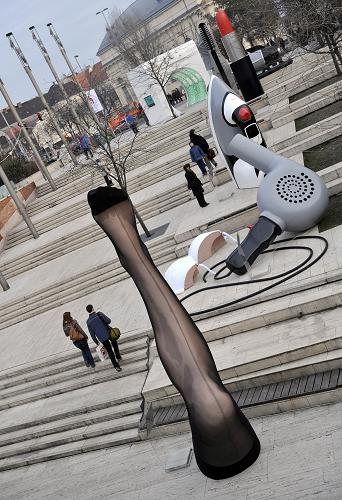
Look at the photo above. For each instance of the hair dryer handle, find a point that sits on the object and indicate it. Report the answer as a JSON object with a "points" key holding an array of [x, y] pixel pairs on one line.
{"points": [[259, 238]]}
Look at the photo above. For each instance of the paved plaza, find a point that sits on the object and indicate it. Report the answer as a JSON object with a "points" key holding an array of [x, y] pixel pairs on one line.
{"points": [[66, 432]]}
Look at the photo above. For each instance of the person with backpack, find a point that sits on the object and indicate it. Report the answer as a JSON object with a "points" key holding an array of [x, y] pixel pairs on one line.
{"points": [[80, 340], [100, 331], [209, 154], [197, 155], [86, 146]]}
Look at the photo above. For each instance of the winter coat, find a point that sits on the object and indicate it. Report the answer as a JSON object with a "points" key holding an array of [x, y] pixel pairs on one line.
{"points": [[85, 142], [194, 183], [74, 324], [98, 326], [200, 141], [196, 154]]}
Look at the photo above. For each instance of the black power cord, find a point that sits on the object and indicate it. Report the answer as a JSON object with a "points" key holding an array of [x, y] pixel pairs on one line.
{"points": [[308, 262]]}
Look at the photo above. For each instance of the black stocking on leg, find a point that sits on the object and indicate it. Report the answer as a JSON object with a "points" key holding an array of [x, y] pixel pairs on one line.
{"points": [[224, 441]]}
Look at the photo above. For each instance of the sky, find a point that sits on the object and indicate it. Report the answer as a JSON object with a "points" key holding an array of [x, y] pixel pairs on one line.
{"points": [[80, 30]]}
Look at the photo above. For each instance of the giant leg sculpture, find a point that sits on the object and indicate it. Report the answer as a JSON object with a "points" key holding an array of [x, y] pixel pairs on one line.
{"points": [[223, 439]]}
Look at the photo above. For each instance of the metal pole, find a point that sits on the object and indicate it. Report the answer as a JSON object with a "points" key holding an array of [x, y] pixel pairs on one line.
{"points": [[15, 46], [61, 47], [3, 283], [40, 163], [38, 40], [19, 204], [78, 63]]}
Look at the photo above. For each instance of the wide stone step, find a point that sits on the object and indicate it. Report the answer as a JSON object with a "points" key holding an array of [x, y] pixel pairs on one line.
{"points": [[78, 433], [65, 362], [301, 81], [54, 297], [305, 134], [34, 429], [306, 391], [57, 379], [181, 124], [111, 394], [71, 386], [74, 448], [260, 349], [317, 138], [58, 248], [306, 105]]}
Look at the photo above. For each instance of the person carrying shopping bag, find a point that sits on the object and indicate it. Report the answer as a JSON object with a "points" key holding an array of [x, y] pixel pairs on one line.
{"points": [[80, 340], [100, 331]]}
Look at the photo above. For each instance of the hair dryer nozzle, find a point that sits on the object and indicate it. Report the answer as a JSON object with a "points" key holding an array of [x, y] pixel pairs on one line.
{"points": [[258, 239]]}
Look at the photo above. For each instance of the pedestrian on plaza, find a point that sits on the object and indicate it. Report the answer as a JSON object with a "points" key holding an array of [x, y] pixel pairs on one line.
{"points": [[99, 329], [80, 340], [195, 185], [197, 156], [130, 120], [86, 146], [208, 152]]}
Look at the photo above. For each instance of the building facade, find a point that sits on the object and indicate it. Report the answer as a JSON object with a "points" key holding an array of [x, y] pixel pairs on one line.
{"points": [[175, 21]]}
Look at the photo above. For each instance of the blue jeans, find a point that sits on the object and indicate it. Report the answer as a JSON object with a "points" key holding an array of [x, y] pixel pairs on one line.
{"points": [[87, 355], [202, 166]]}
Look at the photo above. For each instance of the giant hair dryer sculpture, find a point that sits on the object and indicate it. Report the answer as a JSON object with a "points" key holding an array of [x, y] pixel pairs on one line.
{"points": [[223, 439], [290, 197]]}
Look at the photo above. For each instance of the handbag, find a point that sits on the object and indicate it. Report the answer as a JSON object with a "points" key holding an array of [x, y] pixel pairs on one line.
{"points": [[75, 335], [102, 352], [211, 153], [115, 333]]}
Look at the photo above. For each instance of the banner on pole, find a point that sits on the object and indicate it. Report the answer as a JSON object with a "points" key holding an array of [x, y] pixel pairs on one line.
{"points": [[94, 101]]}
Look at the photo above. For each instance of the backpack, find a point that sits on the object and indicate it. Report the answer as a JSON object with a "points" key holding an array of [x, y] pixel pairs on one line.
{"points": [[75, 335]]}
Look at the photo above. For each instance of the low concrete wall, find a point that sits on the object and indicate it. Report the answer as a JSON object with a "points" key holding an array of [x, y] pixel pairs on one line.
{"points": [[9, 216]]}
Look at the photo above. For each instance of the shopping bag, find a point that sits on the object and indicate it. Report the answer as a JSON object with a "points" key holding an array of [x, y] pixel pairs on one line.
{"points": [[102, 352]]}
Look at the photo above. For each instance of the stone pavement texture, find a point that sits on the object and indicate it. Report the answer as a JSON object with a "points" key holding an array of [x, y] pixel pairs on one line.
{"points": [[300, 459]]}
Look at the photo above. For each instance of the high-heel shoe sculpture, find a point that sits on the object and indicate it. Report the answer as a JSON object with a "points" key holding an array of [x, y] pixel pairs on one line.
{"points": [[223, 439]]}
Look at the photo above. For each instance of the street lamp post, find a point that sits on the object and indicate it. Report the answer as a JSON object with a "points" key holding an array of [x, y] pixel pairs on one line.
{"points": [[15, 46], [61, 47], [78, 63], [46, 55], [39, 161], [102, 12]]}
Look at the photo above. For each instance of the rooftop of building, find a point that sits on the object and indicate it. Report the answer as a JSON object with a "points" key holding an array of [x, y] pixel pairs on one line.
{"points": [[142, 10]]}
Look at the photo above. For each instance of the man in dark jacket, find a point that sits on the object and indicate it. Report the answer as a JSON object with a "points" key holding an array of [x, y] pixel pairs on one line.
{"points": [[203, 144], [195, 185], [99, 329]]}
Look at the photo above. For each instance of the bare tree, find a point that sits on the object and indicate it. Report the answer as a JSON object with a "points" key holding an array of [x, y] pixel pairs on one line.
{"points": [[320, 20], [114, 149], [148, 53]]}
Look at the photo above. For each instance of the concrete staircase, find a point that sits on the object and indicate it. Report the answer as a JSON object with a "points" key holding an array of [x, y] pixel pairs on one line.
{"points": [[278, 355], [54, 408], [80, 285]]}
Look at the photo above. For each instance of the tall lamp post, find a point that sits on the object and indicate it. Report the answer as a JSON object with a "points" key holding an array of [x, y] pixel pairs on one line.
{"points": [[15, 46], [78, 63], [36, 37], [110, 33], [62, 50]]}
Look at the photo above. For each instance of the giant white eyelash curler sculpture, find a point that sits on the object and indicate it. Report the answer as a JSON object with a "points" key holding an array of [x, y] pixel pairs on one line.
{"points": [[290, 197]]}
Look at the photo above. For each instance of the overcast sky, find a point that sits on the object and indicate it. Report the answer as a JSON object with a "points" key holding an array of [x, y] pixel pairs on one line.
{"points": [[81, 32]]}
